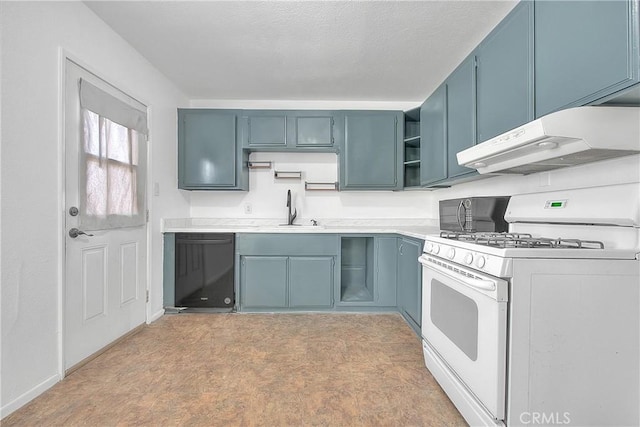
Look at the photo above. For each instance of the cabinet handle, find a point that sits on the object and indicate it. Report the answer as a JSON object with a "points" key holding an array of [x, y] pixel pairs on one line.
{"points": [[400, 248]]}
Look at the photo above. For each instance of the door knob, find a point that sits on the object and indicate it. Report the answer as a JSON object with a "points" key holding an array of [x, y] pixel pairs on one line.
{"points": [[74, 232]]}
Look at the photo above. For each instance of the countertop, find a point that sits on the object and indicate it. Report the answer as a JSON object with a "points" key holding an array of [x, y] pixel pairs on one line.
{"points": [[415, 228]]}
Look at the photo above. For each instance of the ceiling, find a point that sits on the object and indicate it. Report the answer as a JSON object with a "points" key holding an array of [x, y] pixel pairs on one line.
{"points": [[304, 50]]}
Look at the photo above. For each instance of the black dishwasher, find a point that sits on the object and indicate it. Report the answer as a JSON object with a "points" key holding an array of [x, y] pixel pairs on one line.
{"points": [[204, 270]]}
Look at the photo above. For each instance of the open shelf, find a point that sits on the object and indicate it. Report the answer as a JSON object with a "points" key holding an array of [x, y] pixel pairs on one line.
{"points": [[412, 148], [356, 271], [414, 141]]}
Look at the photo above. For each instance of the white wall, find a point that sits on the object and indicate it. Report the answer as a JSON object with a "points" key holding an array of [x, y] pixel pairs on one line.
{"points": [[32, 34]]}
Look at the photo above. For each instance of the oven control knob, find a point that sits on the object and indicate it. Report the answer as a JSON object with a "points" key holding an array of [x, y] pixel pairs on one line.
{"points": [[428, 247], [480, 262], [436, 249], [451, 253], [468, 258]]}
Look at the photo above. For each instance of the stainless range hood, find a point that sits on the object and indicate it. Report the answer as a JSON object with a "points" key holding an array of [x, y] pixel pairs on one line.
{"points": [[565, 138]]}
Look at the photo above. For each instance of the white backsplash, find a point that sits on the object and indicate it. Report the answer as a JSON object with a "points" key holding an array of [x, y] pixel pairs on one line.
{"points": [[267, 196]]}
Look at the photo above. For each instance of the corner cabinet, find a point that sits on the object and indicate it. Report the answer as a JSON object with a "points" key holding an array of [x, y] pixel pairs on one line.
{"points": [[372, 154], [410, 281], [585, 50], [288, 130], [209, 154], [368, 266]]}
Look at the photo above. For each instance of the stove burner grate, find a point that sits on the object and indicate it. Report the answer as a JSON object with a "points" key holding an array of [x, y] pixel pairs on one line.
{"points": [[520, 240]]}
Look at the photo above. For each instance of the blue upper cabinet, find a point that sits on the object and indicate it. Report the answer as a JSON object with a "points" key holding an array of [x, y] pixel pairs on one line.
{"points": [[447, 125], [584, 51], [313, 129], [267, 130], [371, 158], [209, 156], [461, 115], [273, 130], [433, 135], [504, 75]]}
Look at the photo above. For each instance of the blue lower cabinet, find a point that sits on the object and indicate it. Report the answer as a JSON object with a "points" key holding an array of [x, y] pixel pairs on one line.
{"points": [[367, 271], [311, 282], [386, 266], [263, 282], [410, 281], [280, 282]]}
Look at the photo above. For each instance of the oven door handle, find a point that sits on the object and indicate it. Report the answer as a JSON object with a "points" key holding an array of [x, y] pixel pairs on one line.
{"points": [[473, 282]]}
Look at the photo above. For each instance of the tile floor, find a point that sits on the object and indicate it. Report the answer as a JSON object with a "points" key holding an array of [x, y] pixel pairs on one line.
{"points": [[252, 369]]}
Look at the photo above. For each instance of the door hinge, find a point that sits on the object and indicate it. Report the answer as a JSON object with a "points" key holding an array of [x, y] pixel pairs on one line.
{"points": [[147, 215], [147, 295]]}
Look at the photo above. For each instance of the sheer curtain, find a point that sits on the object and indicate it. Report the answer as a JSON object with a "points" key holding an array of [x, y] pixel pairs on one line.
{"points": [[113, 161]]}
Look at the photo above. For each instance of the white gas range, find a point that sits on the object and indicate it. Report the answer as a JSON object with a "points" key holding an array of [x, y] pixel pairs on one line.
{"points": [[526, 328]]}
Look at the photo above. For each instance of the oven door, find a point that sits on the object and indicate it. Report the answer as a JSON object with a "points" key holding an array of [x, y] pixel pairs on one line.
{"points": [[464, 323]]}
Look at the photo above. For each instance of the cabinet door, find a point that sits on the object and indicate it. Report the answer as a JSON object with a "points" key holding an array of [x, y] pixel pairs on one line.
{"points": [[584, 50], [410, 280], [310, 282], [504, 75], [461, 117], [267, 129], [263, 282], [313, 131], [372, 155], [433, 137], [206, 149], [386, 263]]}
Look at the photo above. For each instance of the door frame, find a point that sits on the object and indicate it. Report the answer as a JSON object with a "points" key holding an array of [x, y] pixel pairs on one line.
{"points": [[65, 55]]}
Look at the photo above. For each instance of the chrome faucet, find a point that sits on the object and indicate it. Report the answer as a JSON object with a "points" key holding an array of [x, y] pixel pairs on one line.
{"points": [[290, 218]]}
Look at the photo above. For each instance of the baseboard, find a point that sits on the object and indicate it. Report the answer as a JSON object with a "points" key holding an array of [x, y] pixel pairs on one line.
{"points": [[158, 314], [89, 358], [27, 397]]}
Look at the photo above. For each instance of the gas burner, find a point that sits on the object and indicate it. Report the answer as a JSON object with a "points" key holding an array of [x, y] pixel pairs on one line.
{"points": [[520, 240], [478, 237]]}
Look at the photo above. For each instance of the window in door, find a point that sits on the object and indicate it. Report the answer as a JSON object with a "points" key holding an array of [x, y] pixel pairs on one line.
{"points": [[113, 157]]}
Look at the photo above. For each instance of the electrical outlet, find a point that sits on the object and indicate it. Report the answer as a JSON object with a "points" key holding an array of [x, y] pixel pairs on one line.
{"points": [[248, 209]]}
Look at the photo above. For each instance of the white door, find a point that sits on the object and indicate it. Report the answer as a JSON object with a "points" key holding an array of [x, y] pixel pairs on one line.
{"points": [[106, 268]]}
